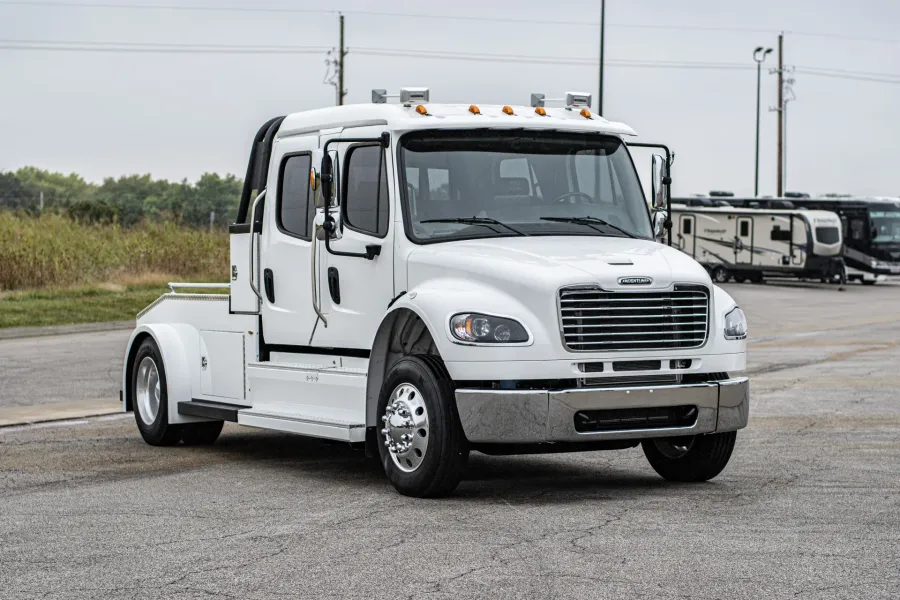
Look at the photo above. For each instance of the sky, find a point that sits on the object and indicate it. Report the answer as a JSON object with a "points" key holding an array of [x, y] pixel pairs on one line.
{"points": [[177, 115]]}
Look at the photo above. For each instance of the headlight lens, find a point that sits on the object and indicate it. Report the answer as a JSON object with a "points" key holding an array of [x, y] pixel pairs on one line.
{"points": [[485, 329], [735, 325]]}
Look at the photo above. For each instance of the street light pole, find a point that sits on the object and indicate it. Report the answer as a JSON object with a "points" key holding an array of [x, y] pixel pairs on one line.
{"points": [[602, 40], [759, 55]]}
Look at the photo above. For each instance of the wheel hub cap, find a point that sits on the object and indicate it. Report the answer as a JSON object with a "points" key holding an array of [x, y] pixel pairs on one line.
{"points": [[406, 427], [147, 390]]}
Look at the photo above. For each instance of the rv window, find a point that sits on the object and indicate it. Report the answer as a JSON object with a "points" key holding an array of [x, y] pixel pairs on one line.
{"points": [[858, 229], [362, 192], [745, 229], [295, 206], [686, 226], [828, 235], [781, 235]]}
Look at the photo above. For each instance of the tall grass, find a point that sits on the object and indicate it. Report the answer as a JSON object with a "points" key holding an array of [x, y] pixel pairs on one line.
{"points": [[54, 251]]}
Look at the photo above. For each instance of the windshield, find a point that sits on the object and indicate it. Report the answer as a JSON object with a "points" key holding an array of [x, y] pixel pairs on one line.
{"points": [[885, 225], [508, 183]]}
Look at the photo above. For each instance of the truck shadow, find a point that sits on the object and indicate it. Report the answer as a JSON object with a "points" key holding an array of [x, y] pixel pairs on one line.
{"points": [[557, 478]]}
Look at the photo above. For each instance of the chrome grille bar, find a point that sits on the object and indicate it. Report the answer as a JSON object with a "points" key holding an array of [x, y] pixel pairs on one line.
{"points": [[594, 319]]}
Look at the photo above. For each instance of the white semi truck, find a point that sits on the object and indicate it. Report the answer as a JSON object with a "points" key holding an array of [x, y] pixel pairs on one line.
{"points": [[423, 280]]}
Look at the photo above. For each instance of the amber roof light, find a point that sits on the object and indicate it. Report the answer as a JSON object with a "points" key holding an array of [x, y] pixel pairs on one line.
{"points": [[540, 110], [421, 109]]}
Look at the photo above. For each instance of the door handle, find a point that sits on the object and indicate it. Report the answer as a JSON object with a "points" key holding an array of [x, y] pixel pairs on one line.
{"points": [[269, 284], [334, 285]]}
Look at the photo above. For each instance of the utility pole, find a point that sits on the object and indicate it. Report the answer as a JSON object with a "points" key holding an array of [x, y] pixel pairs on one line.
{"points": [[602, 35], [780, 109], [341, 54], [42, 200]]}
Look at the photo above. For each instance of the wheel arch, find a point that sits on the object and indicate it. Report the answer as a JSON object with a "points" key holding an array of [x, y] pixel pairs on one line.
{"points": [[404, 331], [172, 347]]}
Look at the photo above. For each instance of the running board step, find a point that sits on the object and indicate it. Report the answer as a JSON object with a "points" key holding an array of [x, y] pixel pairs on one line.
{"points": [[332, 429], [210, 410]]}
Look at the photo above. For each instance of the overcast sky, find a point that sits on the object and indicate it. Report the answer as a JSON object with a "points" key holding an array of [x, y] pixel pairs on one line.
{"points": [[177, 115]]}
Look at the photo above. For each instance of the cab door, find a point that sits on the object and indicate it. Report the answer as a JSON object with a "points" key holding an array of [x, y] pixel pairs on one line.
{"points": [[355, 290], [743, 244], [285, 278]]}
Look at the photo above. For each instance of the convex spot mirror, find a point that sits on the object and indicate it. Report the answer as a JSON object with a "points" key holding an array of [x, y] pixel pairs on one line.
{"points": [[658, 186], [659, 224]]}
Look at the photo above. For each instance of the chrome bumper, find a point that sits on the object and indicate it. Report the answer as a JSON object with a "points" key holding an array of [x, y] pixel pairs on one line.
{"points": [[521, 417]]}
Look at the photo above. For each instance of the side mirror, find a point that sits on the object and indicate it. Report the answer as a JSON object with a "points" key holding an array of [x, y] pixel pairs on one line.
{"points": [[659, 223], [327, 179], [660, 181]]}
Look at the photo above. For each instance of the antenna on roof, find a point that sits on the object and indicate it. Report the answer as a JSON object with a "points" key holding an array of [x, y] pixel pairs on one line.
{"points": [[571, 100], [407, 95]]}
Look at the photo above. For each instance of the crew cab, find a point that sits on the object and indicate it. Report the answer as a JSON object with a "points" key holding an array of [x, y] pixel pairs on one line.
{"points": [[425, 280]]}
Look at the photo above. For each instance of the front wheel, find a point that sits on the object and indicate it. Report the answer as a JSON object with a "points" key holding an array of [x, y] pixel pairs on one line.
{"points": [[690, 458], [420, 440]]}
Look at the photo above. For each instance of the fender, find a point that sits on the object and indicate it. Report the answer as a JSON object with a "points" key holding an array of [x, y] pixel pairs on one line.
{"points": [[172, 344], [434, 303]]}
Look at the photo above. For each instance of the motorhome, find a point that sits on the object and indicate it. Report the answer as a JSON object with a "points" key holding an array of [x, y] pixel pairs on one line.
{"points": [[423, 280], [870, 227], [747, 244]]}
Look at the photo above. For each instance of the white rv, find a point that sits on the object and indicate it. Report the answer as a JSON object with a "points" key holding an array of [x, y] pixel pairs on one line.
{"points": [[423, 280], [748, 243]]}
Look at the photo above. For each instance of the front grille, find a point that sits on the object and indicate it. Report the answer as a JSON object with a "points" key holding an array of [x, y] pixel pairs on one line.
{"points": [[595, 320]]}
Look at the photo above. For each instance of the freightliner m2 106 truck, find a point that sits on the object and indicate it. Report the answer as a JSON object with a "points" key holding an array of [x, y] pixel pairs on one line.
{"points": [[425, 280]]}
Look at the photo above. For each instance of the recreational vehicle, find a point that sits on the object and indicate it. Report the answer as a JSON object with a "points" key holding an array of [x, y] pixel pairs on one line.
{"points": [[748, 243], [870, 227]]}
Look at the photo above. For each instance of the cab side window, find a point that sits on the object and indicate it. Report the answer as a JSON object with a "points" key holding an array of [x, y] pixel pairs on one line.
{"points": [[366, 204], [295, 203]]}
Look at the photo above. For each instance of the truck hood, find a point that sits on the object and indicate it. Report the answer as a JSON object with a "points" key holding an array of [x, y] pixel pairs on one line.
{"points": [[554, 261]]}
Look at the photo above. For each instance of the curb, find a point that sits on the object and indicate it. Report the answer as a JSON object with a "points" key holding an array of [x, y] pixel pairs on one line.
{"points": [[13, 333], [14, 416]]}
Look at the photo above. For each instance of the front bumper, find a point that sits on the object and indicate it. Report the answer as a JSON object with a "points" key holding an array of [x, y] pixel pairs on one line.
{"points": [[535, 416]]}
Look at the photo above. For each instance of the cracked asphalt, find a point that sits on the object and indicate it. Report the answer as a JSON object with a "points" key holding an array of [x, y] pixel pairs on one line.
{"points": [[809, 506]]}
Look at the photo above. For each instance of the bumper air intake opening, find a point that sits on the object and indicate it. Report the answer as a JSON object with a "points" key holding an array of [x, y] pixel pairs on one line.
{"points": [[590, 421]]}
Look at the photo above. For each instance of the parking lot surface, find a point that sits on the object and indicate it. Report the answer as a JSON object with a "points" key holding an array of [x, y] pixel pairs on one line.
{"points": [[809, 506]]}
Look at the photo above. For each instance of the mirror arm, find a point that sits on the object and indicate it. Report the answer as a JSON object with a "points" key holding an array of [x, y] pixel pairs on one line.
{"points": [[666, 181], [384, 140]]}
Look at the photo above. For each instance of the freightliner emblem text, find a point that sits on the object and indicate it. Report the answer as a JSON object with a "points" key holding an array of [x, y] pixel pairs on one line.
{"points": [[635, 281]]}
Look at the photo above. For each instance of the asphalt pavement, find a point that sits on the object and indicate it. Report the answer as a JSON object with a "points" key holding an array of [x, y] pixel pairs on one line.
{"points": [[809, 506]]}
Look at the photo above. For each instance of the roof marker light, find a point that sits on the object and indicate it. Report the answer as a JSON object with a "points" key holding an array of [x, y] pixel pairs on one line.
{"points": [[422, 110], [540, 110], [474, 110], [585, 113], [508, 110]]}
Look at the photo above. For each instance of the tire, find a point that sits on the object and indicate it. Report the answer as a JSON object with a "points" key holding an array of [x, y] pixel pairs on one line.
{"points": [[700, 457], [868, 281], [201, 434], [150, 397], [720, 274], [422, 406], [740, 279]]}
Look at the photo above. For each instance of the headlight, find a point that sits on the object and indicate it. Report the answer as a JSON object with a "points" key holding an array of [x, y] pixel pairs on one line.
{"points": [[735, 325], [485, 329]]}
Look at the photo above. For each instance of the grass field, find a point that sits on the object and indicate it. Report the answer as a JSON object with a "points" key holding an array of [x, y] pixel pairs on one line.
{"points": [[54, 271], [79, 305]]}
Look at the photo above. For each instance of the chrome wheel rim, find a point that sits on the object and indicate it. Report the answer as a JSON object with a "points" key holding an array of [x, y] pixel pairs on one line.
{"points": [[147, 390], [675, 447], [406, 430]]}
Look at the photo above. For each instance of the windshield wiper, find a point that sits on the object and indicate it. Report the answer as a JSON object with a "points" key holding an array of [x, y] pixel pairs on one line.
{"points": [[487, 222], [589, 222]]}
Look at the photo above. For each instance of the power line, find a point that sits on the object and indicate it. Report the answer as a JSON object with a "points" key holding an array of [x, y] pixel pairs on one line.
{"points": [[841, 36], [151, 47], [853, 77]]}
